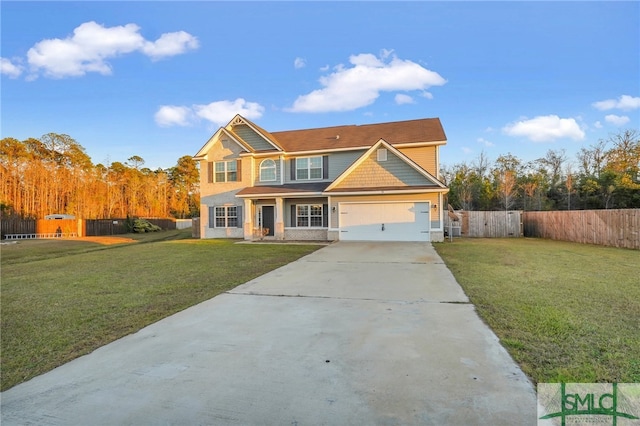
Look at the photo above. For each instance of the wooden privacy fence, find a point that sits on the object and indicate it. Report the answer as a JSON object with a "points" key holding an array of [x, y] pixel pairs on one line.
{"points": [[98, 227], [195, 229], [40, 228], [16, 225], [489, 224], [616, 228], [51, 228]]}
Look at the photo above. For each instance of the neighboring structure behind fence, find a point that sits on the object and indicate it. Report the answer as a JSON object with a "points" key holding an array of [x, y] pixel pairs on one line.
{"points": [[183, 223], [616, 228]]}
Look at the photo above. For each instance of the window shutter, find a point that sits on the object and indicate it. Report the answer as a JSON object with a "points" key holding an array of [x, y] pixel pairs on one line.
{"points": [[240, 222], [325, 167], [293, 169], [239, 170], [212, 216], [293, 215], [210, 172], [325, 215]]}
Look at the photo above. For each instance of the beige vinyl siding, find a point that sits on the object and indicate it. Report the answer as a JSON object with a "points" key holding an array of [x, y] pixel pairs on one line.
{"points": [[424, 156], [394, 171], [431, 197], [223, 150], [256, 141]]}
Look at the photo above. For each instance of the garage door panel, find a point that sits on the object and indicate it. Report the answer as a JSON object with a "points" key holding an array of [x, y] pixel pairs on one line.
{"points": [[403, 221]]}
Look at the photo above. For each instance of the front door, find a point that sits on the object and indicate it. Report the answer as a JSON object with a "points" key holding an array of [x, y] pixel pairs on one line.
{"points": [[268, 221]]}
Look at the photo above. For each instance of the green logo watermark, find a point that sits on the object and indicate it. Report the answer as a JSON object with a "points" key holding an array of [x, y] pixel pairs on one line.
{"points": [[589, 403]]}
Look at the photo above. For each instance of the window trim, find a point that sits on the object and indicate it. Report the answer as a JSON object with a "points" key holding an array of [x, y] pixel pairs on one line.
{"points": [[226, 171], [309, 216], [263, 168], [226, 217], [309, 168]]}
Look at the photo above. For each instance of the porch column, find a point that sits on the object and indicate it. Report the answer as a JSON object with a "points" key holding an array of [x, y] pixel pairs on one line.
{"points": [[248, 219], [279, 219]]}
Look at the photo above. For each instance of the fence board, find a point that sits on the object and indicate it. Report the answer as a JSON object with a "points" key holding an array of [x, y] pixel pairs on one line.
{"points": [[57, 226], [16, 225], [195, 228], [489, 224], [615, 227], [99, 227]]}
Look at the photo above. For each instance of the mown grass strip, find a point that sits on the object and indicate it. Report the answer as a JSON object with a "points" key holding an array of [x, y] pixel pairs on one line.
{"points": [[566, 312], [64, 299]]}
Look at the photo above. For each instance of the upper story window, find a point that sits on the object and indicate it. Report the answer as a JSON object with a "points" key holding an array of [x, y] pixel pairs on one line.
{"points": [[267, 171], [382, 154], [223, 171], [309, 168]]}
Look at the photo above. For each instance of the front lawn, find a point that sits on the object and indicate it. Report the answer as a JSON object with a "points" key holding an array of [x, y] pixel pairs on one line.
{"points": [[566, 312], [61, 299]]}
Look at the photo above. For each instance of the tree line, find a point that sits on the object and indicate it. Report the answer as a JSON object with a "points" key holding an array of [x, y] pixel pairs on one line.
{"points": [[54, 174], [605, 175]]}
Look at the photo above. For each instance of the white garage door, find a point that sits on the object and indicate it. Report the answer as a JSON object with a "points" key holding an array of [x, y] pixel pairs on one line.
{"points": [[398, 221]]}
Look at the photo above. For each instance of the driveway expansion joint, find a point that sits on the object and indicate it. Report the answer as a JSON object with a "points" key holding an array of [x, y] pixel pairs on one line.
{"points": [[403, 302]]}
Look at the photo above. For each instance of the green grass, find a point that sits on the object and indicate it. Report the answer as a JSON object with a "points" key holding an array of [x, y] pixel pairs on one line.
{"points": [[566, 312], [63, 299]]}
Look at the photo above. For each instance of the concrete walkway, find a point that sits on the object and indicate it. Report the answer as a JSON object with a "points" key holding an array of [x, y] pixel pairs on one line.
{"points": [[353, 334]]}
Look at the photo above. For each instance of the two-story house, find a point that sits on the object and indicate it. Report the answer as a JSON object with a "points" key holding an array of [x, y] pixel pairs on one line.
{"points": [[375, 182]]}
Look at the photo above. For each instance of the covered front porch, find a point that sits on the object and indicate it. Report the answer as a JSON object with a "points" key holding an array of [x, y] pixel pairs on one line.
{"points": [[296, 213]]}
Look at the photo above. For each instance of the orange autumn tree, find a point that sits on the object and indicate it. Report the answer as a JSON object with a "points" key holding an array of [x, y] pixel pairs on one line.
{"points": [[54, 174]]}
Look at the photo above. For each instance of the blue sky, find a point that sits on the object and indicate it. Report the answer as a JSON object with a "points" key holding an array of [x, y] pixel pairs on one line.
{"points": [[157, 79]]}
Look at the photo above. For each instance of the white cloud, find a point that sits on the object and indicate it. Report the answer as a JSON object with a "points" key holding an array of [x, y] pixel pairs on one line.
{"points": [[597, 125], [351, 88], [92, 45], [170, 44], [427, 95], [299, 63], [9, 68], [624, 102], [219, 112], [466, 150], [401, 99], [545, 128], [617, 120], [170, 115], [485, 142]]}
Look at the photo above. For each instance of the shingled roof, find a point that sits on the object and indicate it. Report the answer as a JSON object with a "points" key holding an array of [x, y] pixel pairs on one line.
{"points": [[353, 136]]}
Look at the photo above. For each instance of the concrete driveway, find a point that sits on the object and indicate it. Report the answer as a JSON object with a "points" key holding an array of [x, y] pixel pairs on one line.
{"points": [[353, 334]]}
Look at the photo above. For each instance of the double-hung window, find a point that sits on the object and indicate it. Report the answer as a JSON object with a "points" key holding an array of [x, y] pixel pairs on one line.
{"points": [[226, 217], [309, 215], [226, 171], [309, 168]]}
